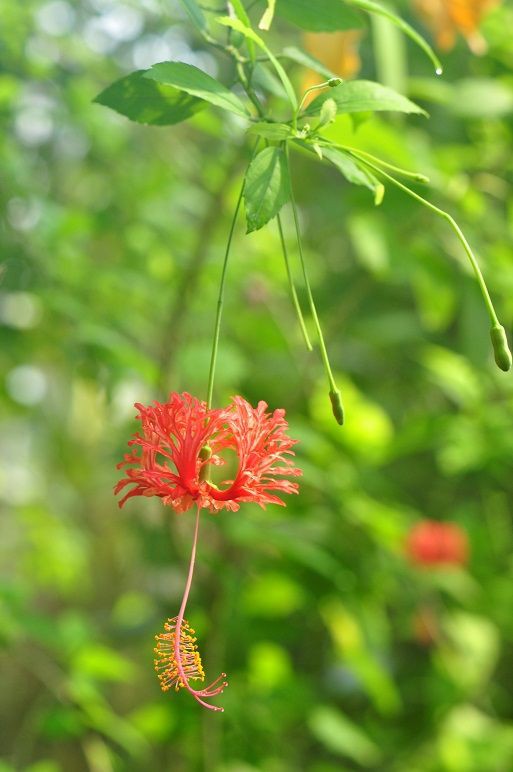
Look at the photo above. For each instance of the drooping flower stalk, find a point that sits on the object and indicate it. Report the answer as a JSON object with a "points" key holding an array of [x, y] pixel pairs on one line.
{"points": [[177, 653], [220, 303], [335, 396], [498, 337], [292, 288], [220, 298]]}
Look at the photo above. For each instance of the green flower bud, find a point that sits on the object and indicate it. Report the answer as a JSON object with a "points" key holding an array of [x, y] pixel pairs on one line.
{"points": [[334, 82], [500, 348], [337, 407]]}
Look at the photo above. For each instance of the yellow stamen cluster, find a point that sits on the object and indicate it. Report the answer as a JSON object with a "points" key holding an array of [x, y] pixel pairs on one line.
{"points": [[165, 660]]}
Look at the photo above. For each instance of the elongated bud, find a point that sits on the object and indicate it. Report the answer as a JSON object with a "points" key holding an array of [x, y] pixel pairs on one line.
{"points": [[337, 407], [500, 347], [334, 82]]}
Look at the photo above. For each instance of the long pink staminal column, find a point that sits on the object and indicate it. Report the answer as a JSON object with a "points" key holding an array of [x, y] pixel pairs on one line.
{"points": [[218, 685]]}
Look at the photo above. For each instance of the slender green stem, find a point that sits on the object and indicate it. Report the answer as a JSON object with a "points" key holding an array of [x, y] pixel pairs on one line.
{"points": [[318, 86], [247, 88], [416, 176], [295, 301], [220, 303], [452, 222], [292, 289], [311, 302], [324, 84]]}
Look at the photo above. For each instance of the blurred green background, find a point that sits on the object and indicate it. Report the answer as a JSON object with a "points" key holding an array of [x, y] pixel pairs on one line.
{"points": [[111, 240]]}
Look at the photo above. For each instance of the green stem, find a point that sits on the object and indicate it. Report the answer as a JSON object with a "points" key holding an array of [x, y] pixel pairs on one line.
{"points": [[416, 176], [295, 301], [334, 392], [295, 117], [452, 222], [246, 85], [220, 303], [318, 86], [292, 289]]}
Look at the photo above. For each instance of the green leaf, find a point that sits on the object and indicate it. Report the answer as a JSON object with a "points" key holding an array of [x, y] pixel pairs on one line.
{"points": [[275, 132], [371, 7], [318, 150], [145, 101], [306, 60], [340, 736], [357, 96], [241, 14], [328, 113], [266, 79], [103, 663], [481, 98], [268, 15], [469, 97], [266, 188], [354, 173], [237, 25], [195, 14], [194, 81], [319, 16]]}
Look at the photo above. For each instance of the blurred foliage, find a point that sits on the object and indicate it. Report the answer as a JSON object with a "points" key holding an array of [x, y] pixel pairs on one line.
{"points": [[340, 655]]}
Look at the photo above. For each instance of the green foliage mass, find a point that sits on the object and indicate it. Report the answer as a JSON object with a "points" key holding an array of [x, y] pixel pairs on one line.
{"points": [[340, 654]]}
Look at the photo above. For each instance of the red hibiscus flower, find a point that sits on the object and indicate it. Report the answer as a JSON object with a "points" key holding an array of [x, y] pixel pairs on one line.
{"points": [[172, 458], [431, 543], [181, 439]]}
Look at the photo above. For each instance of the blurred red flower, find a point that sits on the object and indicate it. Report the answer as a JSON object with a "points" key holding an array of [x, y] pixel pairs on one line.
{"points": [[431, 543], [182, 438]]}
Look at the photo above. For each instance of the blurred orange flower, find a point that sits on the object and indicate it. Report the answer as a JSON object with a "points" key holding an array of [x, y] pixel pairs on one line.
{"points": [[338, 51], [448, 18]]}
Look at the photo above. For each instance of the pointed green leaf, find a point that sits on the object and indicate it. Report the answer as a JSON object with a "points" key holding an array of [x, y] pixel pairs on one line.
{"points": [[356, 96], [195, 14], [328, 113], [268, 15], [319, 16], [194, 81], [307, 60], [354, 173], [275, 132], [241, 14], [371, 7], [266, 188], [237, 25], [264, 78], [145, 101], [342, 737], [318, 150]]}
